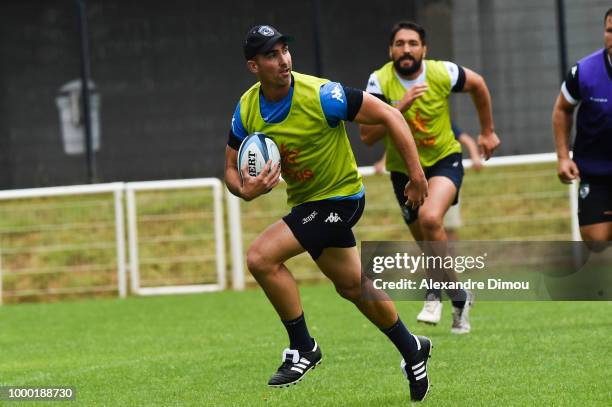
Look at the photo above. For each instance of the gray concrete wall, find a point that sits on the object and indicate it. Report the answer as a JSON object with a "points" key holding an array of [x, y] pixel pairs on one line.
{"points": [[514, 45], [170, 74]]}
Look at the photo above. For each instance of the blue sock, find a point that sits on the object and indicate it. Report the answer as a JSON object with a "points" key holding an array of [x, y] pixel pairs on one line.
{"points": [[299, 338], [402, 339]]}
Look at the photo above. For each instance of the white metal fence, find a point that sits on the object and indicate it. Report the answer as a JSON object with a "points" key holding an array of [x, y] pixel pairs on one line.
{"points": [[62, 241], [176, 229], [187, 256]]}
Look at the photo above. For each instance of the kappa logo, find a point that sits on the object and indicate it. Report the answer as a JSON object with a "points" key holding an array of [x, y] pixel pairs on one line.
{"points": [[584, 191], [309, 217], [333, 218], [337, 93]]}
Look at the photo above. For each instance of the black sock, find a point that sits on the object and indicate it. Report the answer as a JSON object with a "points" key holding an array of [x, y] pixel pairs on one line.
{"points": [[299, 338], [458, 297], [402, 339], [435, 292]]}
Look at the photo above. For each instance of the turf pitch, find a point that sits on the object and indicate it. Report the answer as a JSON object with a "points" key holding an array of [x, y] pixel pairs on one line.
{"points": [[219, 349]]}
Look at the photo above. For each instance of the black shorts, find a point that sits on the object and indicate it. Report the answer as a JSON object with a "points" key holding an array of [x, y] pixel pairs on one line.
{"points": [[320, 224], [594, 200], [450, 167]]}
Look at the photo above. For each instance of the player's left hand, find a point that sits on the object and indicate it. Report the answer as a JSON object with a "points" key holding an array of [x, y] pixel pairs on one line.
{"points": [[411, 95], [416, 191], [487, 143]]}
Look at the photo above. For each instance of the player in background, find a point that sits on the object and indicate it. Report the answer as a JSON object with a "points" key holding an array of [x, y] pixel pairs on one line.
{"points": [[588, 85], [305, 116], [419, 89], [452, 219]]}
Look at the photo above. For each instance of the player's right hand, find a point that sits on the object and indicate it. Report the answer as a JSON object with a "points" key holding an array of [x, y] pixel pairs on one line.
{"points": [[252, 187], [567, 170], [487, 143], [416, 191], [411, 95]]}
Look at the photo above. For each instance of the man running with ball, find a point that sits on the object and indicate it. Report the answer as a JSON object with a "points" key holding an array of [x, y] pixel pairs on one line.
{"points": [[305, 116]]}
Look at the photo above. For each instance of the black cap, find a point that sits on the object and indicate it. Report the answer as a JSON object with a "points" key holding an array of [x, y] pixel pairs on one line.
{"points": [[261, 39]]}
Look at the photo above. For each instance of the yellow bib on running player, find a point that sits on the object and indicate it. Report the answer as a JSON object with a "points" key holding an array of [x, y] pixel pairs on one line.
{"points": [[317, 160], [428, 117]]}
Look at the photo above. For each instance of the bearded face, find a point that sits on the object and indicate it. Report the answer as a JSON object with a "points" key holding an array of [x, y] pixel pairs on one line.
{"points": [[407, 69], [407, 52]]}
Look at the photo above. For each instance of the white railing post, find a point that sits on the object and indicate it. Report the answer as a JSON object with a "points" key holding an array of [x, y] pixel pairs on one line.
{"points": [[219, 234], [0, 275], [120, 237], [130, 200], [576, 248], [235, 237], [573, 198]]}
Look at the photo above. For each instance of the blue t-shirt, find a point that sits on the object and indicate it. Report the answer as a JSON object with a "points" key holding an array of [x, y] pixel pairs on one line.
{"points": [[333, 100], [589, 83], [456, 131], [338, 103]]}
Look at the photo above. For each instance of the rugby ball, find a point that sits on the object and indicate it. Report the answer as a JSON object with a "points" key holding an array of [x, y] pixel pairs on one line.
{"points": [[256, 149]]}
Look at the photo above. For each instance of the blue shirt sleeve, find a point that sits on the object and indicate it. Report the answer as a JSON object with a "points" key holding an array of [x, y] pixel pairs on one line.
{"points": [[456, 130], [333, 101], [237, 126]]}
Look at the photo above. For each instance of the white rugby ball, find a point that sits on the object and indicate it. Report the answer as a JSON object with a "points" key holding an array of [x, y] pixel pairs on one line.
{"points": [[256, 149]]}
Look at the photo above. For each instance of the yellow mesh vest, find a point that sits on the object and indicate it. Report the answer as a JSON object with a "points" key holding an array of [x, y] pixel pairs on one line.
{"points": [[317, 160], [428, 117]]}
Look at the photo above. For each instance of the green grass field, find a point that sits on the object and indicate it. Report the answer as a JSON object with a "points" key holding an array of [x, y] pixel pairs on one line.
{"points": [[219, 350]]}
